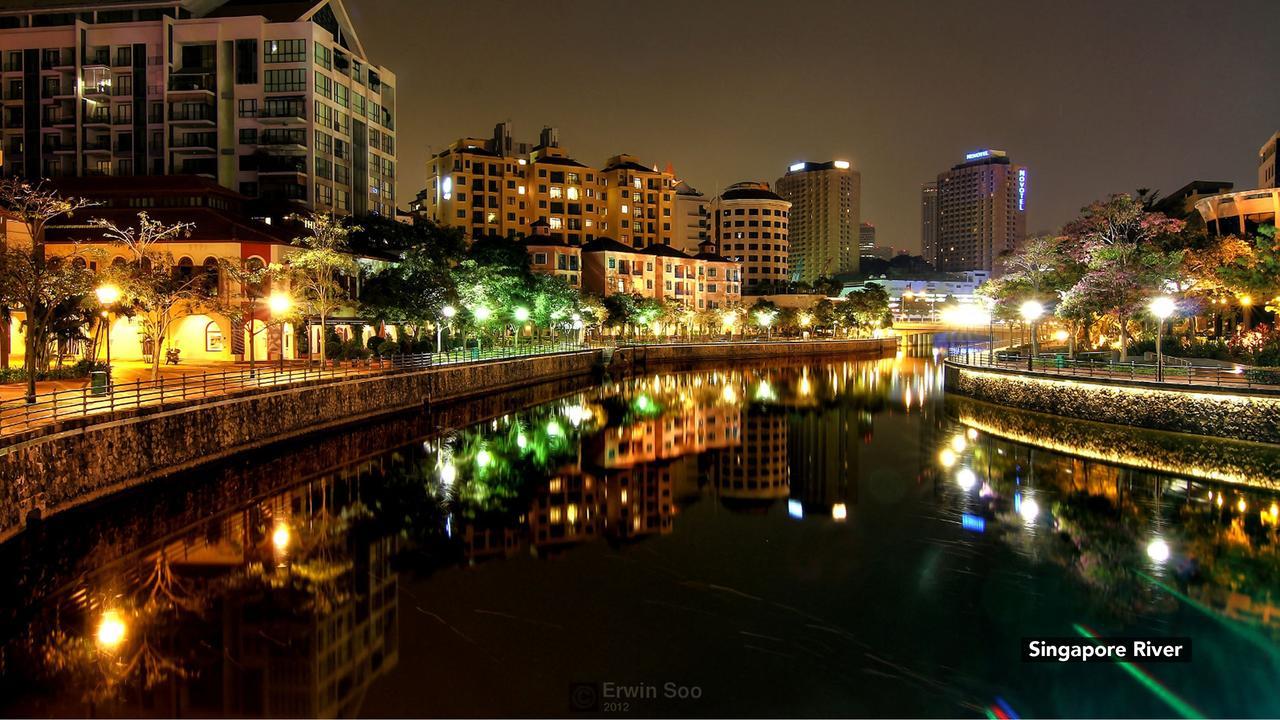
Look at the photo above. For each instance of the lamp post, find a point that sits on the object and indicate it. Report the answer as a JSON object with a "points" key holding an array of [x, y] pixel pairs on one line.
{"points": [[108, 295], [1246, 310], [1162, 307], [448, 311], [1031, 311], [522, 316], [280, 305], [481, 313], [580, 327]]}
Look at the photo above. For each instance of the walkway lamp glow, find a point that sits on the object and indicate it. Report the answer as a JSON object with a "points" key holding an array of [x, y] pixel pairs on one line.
{"points": [[522, 317], [1031, 312], [1246, 307], [448, 311], [280, 304], [108, 295], [481, 313], [1158, 550], [1162, 307], [111, 630]]}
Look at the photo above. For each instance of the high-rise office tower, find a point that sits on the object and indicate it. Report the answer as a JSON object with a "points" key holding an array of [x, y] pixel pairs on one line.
{"points": [[825, 204], [866, 238], [276, 100], [929, 223], [982, 211]]}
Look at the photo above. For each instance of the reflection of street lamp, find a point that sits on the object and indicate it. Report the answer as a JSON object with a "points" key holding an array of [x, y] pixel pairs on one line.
{"points": [[1031, 311], [108, 295], [448, 311], [522, 317], [111, 630], [1162, 307], [280, 304]]}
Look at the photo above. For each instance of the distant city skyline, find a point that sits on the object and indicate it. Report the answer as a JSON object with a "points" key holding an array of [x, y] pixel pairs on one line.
{"points": [[1043, 82]]}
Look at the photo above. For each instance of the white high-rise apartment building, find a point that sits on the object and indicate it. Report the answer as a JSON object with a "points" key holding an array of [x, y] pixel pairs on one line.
{"points": [[982, 211], [278, 100]]}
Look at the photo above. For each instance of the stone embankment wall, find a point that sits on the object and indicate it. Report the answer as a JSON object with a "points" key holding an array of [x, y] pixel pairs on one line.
{"points": [[56, 467], [1241, 415], [635, 358]]}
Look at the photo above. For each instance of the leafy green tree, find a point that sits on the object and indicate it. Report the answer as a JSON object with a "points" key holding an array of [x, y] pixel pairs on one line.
{"points": [[316, 272]]}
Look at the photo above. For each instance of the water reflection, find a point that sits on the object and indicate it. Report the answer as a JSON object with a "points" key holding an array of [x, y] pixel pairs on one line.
{"points": [[275, 586]]}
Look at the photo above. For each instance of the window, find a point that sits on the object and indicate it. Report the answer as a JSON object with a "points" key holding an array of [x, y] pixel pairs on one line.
{"points": [[324, 85], [290, 80], [539, 258], [324, 57], [278, 51], [248, 136], [212, 337], [556, 223], [246, 62], [248, 108]]}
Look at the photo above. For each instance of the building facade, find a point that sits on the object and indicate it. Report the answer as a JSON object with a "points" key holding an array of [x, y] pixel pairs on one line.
{"points": [[982, 206], [929, 223], [1240, 213], [639, 202], [752, 227], [279, 102], [825, 213], [692, 225], [704, 281], [866, 239], [1267, 162]]}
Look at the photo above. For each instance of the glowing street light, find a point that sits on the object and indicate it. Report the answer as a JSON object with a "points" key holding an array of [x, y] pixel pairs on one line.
{"points": [[280, 304], [448, 311], [1162, 307], [1031, 311], [481, 313], [1029, 509], [108, 295], [522, 316], [765, 319], [111, 630], [281, 536], [966, 479]]}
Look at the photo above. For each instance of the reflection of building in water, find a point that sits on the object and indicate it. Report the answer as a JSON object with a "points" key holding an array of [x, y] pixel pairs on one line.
{"points": [[687, 431], [753, 475], [823, 454], [283, 608]]}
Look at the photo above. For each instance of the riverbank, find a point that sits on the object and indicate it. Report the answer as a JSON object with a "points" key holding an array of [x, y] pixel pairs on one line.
{"points": [[1234, 413], [60, 466]]}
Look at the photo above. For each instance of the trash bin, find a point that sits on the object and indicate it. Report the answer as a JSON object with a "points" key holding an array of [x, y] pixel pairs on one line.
{"points": [[98, 382], [1059, 361], [475, 353]]}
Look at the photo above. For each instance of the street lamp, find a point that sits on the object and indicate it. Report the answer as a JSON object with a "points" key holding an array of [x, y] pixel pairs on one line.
{"points": [[765, 318], [448, 311], [108, 295], [481, 313], [1246, 309], [1031, 311], [522, 317], [1162, 307], [280, 304]]}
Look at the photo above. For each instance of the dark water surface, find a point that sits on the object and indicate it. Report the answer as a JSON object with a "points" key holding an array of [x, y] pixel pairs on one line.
{"points": [[827, 539]]}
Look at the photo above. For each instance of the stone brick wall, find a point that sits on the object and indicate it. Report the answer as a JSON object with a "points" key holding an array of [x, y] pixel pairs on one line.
{"points": [[626, 358], [1237, 415]]}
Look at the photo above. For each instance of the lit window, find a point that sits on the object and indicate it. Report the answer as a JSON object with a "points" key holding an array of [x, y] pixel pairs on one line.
{"points": [[491, 217], [636, 183], [626, 209], [573, 193], [556, 193], [521, 189], [556, 223], [588, 223]]}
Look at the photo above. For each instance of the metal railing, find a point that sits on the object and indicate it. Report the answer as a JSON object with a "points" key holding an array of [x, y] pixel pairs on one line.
{"points": [[1183, 373], [18, 414]]}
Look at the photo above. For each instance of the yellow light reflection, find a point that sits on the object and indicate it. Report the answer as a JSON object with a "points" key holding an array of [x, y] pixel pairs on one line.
{"points": [[111, 630]]}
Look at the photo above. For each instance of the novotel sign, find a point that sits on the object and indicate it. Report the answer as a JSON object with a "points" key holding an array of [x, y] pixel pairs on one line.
{"points": [[1022, 189], [977, 155]]}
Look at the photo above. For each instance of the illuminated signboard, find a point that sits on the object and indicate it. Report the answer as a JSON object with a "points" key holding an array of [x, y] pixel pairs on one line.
{"points": [[842, 164], [978, 154], [973, 523], [1022, 189], [797, 167]]}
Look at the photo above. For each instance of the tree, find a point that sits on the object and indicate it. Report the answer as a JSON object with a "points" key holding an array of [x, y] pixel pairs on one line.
{"points": [[158, 290], [865, 308], [29, 281], [1122, 248], [1254, 270], [622, 310], [317, 270], [251, 276]]}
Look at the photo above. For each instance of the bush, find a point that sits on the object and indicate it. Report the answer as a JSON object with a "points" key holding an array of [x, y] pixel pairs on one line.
{"points": [[80, 369], [1263, 376]]}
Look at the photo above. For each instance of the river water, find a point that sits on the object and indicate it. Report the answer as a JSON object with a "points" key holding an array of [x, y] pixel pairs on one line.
{"points": [[805, 540]]}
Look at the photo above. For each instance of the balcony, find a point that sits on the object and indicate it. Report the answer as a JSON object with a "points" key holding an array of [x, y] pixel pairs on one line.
{"points": [[205, 167], [282, 166], [192, 115], [192, 84], [195, 145], [100, 58], [98, 118], [98, 147], [283, 115]]}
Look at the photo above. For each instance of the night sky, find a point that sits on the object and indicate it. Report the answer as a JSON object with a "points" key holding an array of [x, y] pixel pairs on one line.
{"points": [[1095, 97]]}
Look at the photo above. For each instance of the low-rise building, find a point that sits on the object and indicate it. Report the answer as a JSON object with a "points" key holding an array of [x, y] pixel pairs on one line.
{"points": [[639, 202], [552, 256], [751, 227], [698, 282], [923, 298]]}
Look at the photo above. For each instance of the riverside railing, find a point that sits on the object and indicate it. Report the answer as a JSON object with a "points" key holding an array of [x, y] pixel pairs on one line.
{"points": [[18, 414], [1183, 373]]}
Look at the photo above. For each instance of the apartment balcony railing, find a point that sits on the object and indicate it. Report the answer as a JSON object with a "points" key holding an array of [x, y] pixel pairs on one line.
{"points": [[192, 82], [191, 113]]}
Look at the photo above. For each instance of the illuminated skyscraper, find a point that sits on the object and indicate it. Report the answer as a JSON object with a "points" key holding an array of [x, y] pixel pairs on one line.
{"points": [[825, 211], [982, 205], [929, 223]]}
